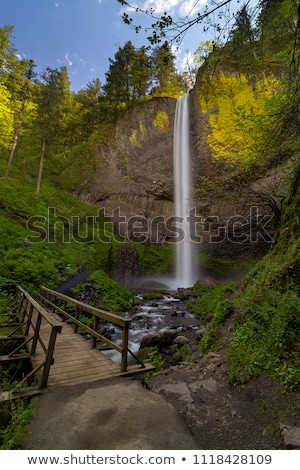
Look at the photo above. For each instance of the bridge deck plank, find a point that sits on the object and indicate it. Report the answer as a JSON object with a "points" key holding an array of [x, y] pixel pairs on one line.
{"points": [[75, 361]]}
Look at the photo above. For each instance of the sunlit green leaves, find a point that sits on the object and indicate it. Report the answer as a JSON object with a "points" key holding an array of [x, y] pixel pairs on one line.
{"points": [[6, 118]]}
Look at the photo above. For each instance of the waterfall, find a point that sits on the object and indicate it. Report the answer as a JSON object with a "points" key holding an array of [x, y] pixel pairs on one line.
{"points": [[186, 272]]}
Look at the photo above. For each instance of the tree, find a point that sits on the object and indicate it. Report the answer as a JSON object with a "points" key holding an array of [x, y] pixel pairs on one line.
{"points": [[202, 52], [140, 74], [276, 23], [89, 99], [165, 79], [117, 88], [128, 76], [8, 51], [25, 89], [243, 35], [51, 101], [15, 78]]}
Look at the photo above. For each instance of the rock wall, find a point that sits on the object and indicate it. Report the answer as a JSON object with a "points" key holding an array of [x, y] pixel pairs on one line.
{"points": [[134, 185], [135, 179]]}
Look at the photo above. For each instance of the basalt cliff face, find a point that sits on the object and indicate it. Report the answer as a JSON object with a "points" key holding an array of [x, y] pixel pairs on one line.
{"points": [[133, 182], [135, 178]]}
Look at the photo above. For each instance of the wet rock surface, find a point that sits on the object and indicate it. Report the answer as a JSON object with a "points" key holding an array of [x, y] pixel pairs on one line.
{"points": [[167, 326], [221, 416]]}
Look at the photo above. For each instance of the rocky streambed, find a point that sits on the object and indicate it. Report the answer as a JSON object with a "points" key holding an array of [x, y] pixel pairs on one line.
{"points": [[165, 325]]}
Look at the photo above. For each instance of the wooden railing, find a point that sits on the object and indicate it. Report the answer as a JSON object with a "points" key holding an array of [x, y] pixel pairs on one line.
{"points": [[51, 298], [25, 318]]}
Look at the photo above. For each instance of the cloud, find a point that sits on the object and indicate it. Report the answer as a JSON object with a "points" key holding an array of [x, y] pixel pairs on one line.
{"points": [[20, 56], [70, 63], [191, 7], [58, 4], [187, 61], [181, 7]]}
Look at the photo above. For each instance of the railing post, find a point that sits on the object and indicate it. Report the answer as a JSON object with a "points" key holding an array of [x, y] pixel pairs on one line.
{"points": [[95, 328], [124, 347], [29, 320], [77, 311], [36, 334], [49, 358], [23, 309]]}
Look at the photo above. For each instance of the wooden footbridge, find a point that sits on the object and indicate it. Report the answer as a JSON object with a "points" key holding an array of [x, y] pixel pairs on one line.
{"points": [[50, 335]]}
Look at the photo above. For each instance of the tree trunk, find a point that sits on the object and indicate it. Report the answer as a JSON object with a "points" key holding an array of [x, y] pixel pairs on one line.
{"points": [[16, 136], [38, 186]]}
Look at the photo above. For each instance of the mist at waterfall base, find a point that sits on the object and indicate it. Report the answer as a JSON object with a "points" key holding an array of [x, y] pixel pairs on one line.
{"points": [[187, 272]]}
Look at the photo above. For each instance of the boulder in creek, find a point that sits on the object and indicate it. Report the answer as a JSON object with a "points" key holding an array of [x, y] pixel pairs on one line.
{"points": [[160, 340], [181, 340]]}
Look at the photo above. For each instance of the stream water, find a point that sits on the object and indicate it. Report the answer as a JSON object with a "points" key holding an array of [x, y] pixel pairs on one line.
{"points": [[153, 316]]}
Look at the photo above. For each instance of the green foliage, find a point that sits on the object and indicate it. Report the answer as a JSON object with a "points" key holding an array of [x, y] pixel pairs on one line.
{"points": [[276, 23], [14, 421], [51, 247], [86, 320], [128, 77], [205, 300], [6, 118], [161, 120], [7, 286], [84, 159], [29, 268], [15, 414], [240, 122], [267, 324], [224, 268], [152, 296], [165, 79], [214, 305], [155, 259], [134, 75], [27, 265], [154, 358], [184, 353], [243, 35], [7, 297], [266, 339], [114, 297]]}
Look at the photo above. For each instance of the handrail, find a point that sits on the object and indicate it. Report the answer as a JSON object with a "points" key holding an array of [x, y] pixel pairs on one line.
{"points": [[46, 315], [31, 314], [97, 313], [111, 317]]}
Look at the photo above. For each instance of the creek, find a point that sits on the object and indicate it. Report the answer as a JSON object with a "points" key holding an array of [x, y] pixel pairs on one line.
{"points": [[153, 316]]}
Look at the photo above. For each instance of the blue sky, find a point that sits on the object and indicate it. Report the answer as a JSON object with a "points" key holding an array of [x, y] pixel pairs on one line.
{"points": [[84, 34]]}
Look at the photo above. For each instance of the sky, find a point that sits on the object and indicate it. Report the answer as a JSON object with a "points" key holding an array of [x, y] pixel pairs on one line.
{"points": [[84, 34]]}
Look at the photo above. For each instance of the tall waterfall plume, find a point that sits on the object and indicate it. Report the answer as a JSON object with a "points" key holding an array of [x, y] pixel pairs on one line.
{"points": [[186, 270]]}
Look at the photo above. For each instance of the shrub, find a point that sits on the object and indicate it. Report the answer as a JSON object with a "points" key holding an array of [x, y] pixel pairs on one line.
{"points": [[214, 305], [114, 297]]}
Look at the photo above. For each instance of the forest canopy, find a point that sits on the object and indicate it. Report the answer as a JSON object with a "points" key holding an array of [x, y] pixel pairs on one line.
{"points": [[41, 116]]}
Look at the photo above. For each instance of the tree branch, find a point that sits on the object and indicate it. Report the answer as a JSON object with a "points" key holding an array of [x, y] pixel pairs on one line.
{"points": [[165, 24]]}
